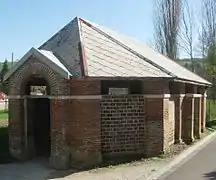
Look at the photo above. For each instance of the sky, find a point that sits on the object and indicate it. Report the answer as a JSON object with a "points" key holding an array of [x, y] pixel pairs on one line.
{"points": [[29, 23]]}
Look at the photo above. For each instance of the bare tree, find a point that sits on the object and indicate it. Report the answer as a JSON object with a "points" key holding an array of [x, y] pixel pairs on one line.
{"points": [[208, 30], [167, 24], [187, 31]]}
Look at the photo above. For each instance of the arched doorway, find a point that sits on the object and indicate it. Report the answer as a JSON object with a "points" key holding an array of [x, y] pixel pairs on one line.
{"points": [[37, 117]]}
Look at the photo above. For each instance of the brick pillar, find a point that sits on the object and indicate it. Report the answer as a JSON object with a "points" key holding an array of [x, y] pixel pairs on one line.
{"points": [[60, 154], [197, 117], [203, 112], [16, 129], [178, 99], [154, 129], [158, 128], [177, 91], [168, 123], [188, 118]]}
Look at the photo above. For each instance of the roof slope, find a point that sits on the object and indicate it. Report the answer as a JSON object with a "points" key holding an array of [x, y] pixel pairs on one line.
{"points": [[64, 44], [83, 48], [112, 52], [46, 57]]}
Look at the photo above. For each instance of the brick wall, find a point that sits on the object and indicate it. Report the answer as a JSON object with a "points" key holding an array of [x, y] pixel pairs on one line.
{"points": [[123, 124], [188, 119], [16, 128], [155, 87], [84, 86], [197, 117], [60, 155], [154, 109], [33, 66], [17, 83], [84, 134]]}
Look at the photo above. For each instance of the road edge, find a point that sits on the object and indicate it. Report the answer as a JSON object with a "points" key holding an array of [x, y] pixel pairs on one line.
{"points": [[182, 158]]}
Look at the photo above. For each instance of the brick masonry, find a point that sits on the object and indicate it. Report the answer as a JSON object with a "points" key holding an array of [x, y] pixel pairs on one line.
{"points": [[188, 119], [123, 124], [197, 117], [34, 67], [83, 131]]}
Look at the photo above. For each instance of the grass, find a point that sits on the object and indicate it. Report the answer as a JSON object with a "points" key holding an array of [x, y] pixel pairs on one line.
{"points": [[4, 138], [211, 113], [3, 114]]}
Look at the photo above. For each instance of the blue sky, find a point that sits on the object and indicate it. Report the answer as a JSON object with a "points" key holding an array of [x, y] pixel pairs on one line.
{"points": [[26, 24]]}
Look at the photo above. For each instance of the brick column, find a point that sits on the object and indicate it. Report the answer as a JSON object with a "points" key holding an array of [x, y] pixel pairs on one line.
{"points": [[188, 118], [177, 90], [60, 154], [197, 116], [154, 129], [202, 91], [178, 99], [16, 129], [203, 112]]}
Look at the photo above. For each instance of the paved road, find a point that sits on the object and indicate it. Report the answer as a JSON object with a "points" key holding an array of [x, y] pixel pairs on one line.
{"points": [[200, 167]]}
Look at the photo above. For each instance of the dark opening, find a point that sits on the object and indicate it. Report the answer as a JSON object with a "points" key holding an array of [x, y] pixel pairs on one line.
{"points": [[38, 116], [174, 88], [134, 87], [189, 88], [42, 127]]}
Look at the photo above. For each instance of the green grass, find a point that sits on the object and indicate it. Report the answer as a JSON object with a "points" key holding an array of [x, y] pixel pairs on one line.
{"points": [[3, 114], [4, 139], [211, 114]]}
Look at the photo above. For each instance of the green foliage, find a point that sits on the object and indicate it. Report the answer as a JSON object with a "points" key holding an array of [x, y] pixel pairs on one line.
{"points": [[4, 70], [211, 113], [3, 114], [210, 110], [210, 61], [210, 70]]}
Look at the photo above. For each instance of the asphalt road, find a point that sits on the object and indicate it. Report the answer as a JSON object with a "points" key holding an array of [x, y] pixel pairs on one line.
{"points": [[202, 166]]}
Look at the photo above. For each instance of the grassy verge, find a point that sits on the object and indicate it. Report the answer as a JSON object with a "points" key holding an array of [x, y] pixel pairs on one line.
{"points": [[211, 114], [4, 138], [3, 114]]}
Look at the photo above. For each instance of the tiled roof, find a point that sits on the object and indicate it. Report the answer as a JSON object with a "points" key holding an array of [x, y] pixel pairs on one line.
{"points": [[83, 48], [119, 55]]}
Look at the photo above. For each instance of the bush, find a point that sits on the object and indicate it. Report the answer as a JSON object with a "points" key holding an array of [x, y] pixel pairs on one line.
{"points": [[210, 110]]}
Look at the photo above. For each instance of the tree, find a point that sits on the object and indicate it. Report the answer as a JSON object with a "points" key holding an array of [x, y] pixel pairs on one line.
{"points": [[187, 31], [208, 41], [4, 70], [167, 24], [208, 29]]}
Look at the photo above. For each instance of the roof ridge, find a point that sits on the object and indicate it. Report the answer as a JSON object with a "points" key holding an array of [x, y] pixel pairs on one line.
{"points": [[126, 47], [59, 31]]}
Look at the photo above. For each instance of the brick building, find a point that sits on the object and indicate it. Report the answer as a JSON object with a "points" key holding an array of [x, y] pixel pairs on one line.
{"points": [[89, 94]]}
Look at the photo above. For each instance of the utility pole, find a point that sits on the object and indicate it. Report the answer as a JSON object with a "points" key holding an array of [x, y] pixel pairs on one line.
{"points": [[12, 60]]}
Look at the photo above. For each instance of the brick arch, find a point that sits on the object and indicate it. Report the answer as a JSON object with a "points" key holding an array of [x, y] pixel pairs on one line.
{"points": [[29, 69]]}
